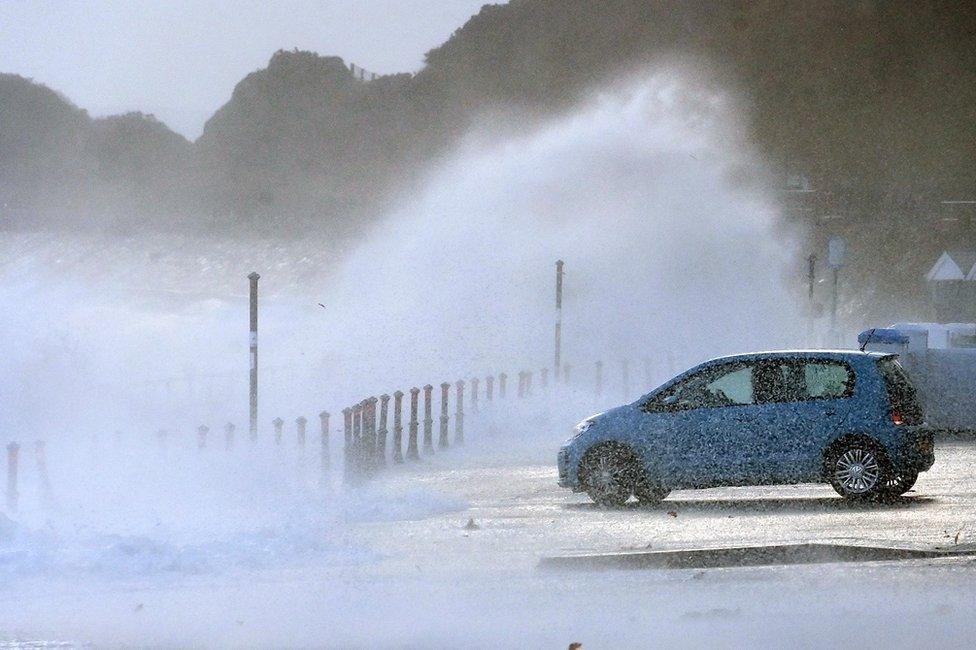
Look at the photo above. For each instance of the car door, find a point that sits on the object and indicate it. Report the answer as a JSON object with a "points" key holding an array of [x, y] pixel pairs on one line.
{"points": [[804, 403], [708, 432]]}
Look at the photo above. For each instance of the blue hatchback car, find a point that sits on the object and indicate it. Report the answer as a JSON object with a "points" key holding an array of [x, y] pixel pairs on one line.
{"points": [[848, 418]]}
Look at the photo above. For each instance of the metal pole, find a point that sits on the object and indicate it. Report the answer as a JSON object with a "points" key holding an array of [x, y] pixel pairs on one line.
{"points": [[254, 277], [811, 274], [559, 318], [833, 308]]}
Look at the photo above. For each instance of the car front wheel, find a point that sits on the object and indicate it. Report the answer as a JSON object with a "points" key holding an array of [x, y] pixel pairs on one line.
{"points": [[859, 471], [609, 474]]}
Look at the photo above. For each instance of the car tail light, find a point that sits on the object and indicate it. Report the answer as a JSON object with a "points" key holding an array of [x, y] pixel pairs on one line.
{"points": [[897, 418]]}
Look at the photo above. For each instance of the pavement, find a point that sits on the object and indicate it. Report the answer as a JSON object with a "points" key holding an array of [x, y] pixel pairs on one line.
{"points": [[464, 572], [522, 516]]}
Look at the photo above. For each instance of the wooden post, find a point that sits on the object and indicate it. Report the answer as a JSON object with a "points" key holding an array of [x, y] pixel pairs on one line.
{"points": [[544, 378], [428, 420], [459, 412], [599, 378], [474, 394], [202, 432], [528, 383], [277, 423], [325, 460], [398, 426], [442, 441], [347, 442], [381, 434], [13, 450], [369, 434], [229, 436], [567, 372], [520, 392], [300, 423], [412, 452], [489, 387], [356, 454], [40, 456], [502, 380]]}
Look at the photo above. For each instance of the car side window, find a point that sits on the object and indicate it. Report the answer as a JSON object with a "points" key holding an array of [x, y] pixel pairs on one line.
{"points": [[727, 385], [796, 380], [828, 379]]}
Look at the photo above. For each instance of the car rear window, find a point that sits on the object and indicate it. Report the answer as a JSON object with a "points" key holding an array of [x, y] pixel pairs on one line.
{"points": [[901, 392]]}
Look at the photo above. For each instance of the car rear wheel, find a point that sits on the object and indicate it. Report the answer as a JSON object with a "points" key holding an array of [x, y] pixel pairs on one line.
{"points": [[609, 474], [859, 470]]}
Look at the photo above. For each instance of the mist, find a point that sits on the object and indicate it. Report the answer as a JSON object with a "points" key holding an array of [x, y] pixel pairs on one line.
{"points": [[648, 191]]}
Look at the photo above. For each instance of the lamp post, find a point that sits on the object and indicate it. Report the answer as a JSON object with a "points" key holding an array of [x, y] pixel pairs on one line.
{"points": [[557, 362], [836, 254], [254, 277]]}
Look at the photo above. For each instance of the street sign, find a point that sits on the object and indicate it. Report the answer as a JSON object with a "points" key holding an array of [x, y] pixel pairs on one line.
{"points": [[836, 251]]}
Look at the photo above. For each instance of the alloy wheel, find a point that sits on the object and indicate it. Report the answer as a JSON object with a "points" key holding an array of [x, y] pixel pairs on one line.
{"points": [[857, 471]]}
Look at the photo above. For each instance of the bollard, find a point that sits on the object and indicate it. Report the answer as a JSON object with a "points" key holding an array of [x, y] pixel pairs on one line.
{"points": [[356, 454], [459, 412], [202, 432], [381, 434], [398, 426], [40, 456], [624, 379], [412, 452], [324, 420], [13, 450], [489, 387], [528, 383], [544, 378], [442, 441], [277, 423], [521, 385], [229, 436], [300, 423], [599, 378], [502, 380], [369, 434], [347, 442], [474, 394], [428, 421]]}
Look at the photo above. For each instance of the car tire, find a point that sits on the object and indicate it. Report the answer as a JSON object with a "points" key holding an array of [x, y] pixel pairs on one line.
{"points": [[900, 482], [649, 493], [609, 474], [859, 470]]}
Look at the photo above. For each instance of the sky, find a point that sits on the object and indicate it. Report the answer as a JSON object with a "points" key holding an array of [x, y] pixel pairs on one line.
{"points": [[181, 60]]}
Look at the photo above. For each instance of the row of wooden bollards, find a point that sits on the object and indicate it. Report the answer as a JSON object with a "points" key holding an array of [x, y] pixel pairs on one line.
{"points": [[366, 424], [13, 468]]}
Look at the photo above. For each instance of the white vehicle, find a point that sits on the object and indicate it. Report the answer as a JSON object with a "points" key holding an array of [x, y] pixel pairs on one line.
{"points": [[941, 359]]}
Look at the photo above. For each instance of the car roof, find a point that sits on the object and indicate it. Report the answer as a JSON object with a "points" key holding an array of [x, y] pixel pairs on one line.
{"points": [[801, 354]]}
